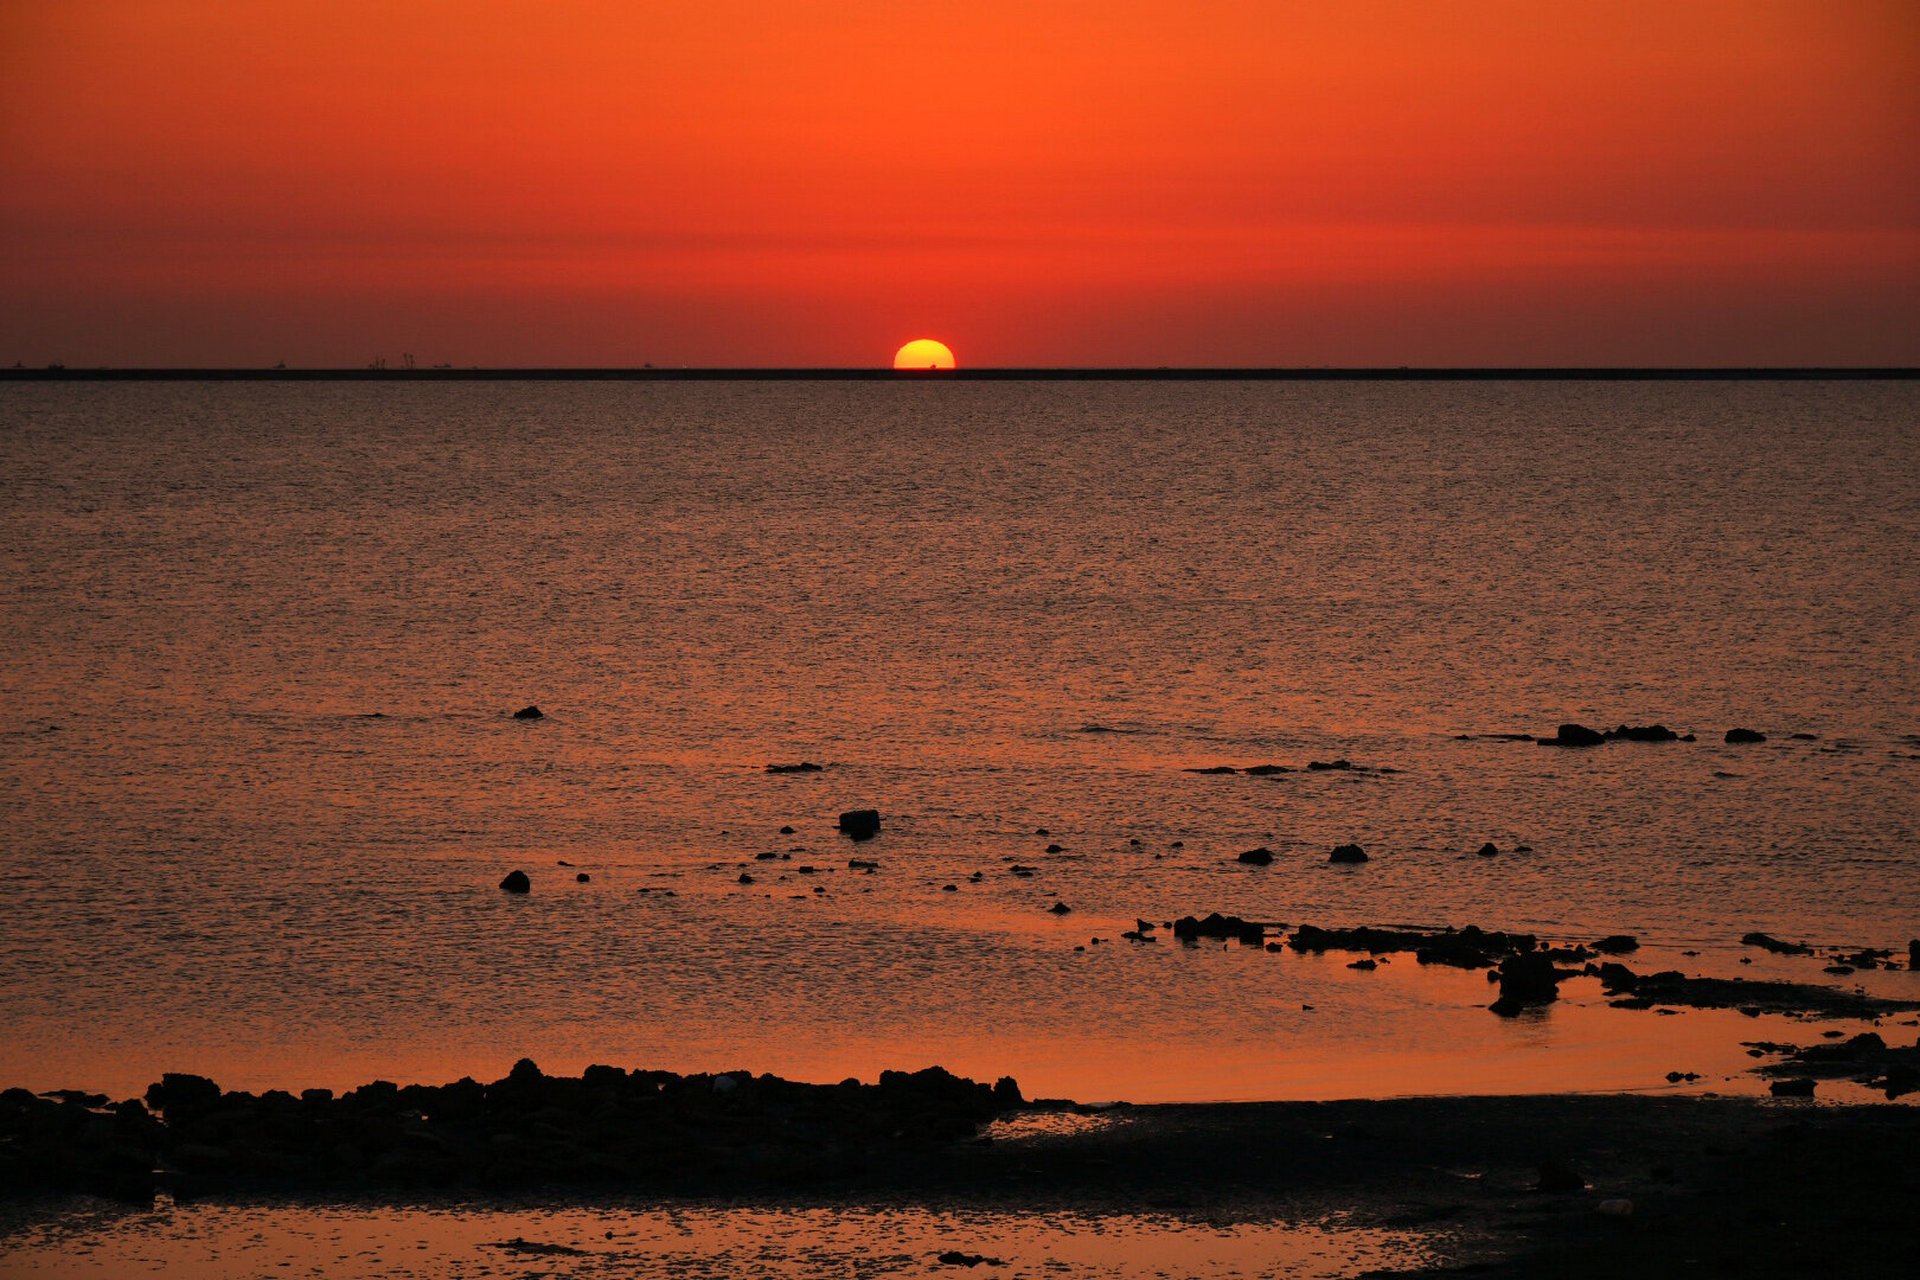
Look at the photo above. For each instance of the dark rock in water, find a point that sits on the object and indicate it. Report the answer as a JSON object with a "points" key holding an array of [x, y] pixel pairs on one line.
{"points": [[1767, 942], [1365, 966], [529, 713], [1262, 857], [1322, 766], [1059, 909], [1745, 735], [1215, 925], [1468, 948], [861, 864], [786, 831], [805, 766], [1573, 735], [582, 878], [1041, 831], [860, 824], [745, 878], [1265, 770], [1526, 978], [1913, 954], [516, 882], [1798, 1087], [1617, 944], [1489, 849], [949, 888], [1644, 733], [955, 1258], [1218, 768], [1055, 848], [1347, 853], [1555, 1177]]}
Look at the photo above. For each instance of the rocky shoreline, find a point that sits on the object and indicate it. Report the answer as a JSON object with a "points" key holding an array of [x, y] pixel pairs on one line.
{"points": [[608, 1127]]}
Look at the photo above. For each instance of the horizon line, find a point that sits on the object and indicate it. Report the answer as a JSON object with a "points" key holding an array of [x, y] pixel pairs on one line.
{"points": [[986, 373]]}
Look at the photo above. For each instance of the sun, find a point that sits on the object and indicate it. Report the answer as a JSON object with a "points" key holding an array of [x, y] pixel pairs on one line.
{"points": [[923, 353]]}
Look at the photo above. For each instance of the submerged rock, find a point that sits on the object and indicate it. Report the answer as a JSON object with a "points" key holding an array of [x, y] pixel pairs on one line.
{"points": [[805, 766], [860, 824], [529, 713], [1767, 942], [1348, 853], [1644, 733], [1573, 735], [516, 882], [1489, 849], [1261, 857], [1617, 944], [1737, 736]]}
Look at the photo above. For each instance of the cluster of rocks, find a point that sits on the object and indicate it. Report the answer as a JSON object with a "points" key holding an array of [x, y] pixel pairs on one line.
{"points": [[1263, 856], [607, 1126], [1311, 766], [1579, 735], [1865, 1059], [1670, 987]]}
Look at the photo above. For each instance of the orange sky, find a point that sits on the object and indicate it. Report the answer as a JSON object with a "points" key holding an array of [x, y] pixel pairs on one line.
{"points": [[1129, 182]]}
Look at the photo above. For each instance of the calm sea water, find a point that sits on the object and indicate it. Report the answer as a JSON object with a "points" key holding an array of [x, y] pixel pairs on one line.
{"points": [[259, 779]]}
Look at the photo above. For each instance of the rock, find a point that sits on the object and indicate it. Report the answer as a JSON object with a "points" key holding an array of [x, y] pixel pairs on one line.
{"points": [[861, 864], [1262, 857], [1798, 1087], [1573, 735], [1059, 909], [1265, 770], [786, 831], [860, 824], [1644, 733], [1347, 853], [1218, 768], [1365, 966], [1913, 954], [745, 878], [955, 1258], [1041, 831], [1736, 736], [949, 888], [1216, 925], [1617, 944], [1767, 942], [178, 1091], [582, 878], [1054, 848], [805, 766], [1322, 766], [516, 882], [1526, 978], [1489, 849], [529, 713]]}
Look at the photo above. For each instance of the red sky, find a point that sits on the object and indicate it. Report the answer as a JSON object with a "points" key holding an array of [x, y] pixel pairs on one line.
{"points": [[815, 181]]}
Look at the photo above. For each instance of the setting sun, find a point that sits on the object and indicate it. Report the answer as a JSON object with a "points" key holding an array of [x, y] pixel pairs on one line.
{"points": [[923, 353]]}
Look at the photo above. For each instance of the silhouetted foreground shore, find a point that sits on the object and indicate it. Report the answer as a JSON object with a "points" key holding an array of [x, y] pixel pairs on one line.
{"points": [[1513, 1186]]}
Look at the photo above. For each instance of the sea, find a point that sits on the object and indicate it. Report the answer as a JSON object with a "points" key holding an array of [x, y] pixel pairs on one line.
{"points": [[260, 777]]}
